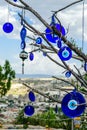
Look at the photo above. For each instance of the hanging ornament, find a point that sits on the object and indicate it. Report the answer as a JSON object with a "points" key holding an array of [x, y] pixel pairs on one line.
{"points": [[38, 40], [23, 45], [31, 96], [53, 21], [68, 74], [8, 27], [85, 66], [52, 37], [56, 109], [23, 33], [44, 53], [65, 53], [71, 104], [23, 55], [15, 0], [31, 56], [59, 43], [29, 110]]}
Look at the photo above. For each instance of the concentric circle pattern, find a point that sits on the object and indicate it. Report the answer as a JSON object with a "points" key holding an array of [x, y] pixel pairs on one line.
{"points": [[65, 53], [71, 104]]}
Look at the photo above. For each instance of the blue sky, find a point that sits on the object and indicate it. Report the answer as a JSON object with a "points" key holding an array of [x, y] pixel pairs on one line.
{"points": [[10, 43]]}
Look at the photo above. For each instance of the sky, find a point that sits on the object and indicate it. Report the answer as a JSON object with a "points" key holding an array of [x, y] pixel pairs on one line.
{"points": [[10, 43]]}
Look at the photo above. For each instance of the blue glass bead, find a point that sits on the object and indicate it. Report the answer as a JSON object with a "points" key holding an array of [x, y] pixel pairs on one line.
{"points": [[23, 33], [53, 20], [44, 54], [31, 96], [8, 27], [14, 0], [68, 74], [65, 53], [38, 40], [85, 66], [56, 109], [31, 56], [23, 45], [70, 105], [29, 110], [52, 37], [59, 43]]}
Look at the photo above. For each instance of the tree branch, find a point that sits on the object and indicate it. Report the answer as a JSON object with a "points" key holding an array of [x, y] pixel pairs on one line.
{"points": [[55, 12], [64, 81], [39, 92]]}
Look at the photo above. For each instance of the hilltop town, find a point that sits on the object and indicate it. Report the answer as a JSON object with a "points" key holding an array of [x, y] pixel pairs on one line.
{"points": [[17, 98]]}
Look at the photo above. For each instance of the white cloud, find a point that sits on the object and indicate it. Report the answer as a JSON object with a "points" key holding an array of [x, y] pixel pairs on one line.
{"points": [[41, 65], [71, 16]]}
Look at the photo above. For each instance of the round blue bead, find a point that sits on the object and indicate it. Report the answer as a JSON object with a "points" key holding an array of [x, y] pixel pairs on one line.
{"points": [[29, 110], [7, 27]]}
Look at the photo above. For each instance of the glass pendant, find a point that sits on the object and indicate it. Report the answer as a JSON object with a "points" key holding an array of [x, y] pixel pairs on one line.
{"points": [[68, 74], [65, 53], [44, 54], [70, 105], [8, 27], [85, 66], [23, 33], [31, 96], [53, 21], [56, 109], [59, 43], [31, 56], [52, 37], [15, 0], [29, 110], [23, 45], [38, 40]]}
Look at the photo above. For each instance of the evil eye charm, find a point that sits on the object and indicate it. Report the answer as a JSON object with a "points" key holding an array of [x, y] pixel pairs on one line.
{"points": [[51, 37], [56, 109], [38, 40], [8, 27], [23, 33], [85, 66], [65, 53], [31, 96], [23, 45], [44, 54], [59, 43], [14, 0], [53, 21], [72, 104], [68, 74], [29, 110], [31, 56]]}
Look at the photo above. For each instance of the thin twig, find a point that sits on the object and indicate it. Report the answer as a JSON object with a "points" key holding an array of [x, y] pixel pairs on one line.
{"points": [[55, 12], [64, 81], [39, 92], [80, 75]]}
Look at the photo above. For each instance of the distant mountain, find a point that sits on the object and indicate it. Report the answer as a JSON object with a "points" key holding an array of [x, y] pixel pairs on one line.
{"points": [[33, 76]]}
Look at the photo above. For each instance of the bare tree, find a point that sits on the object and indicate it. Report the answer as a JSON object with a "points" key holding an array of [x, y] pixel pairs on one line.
{"points": [[50, 48]]}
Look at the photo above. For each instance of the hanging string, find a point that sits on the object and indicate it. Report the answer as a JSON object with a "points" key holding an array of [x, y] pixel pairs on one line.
{"points": [[83, 27], [82, 63], [8, 12], [23, 16]]}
